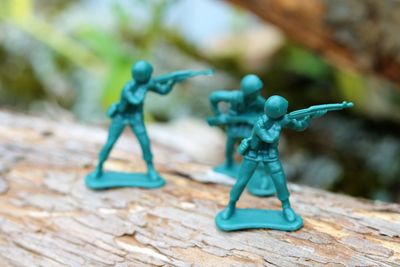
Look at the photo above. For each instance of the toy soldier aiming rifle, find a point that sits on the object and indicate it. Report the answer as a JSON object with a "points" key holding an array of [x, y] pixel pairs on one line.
{"points": [[262, 146], [245, 107], [129, 110]]}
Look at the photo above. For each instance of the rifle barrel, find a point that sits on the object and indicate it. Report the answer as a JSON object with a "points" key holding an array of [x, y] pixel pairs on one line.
{"points": [[327, 107]]}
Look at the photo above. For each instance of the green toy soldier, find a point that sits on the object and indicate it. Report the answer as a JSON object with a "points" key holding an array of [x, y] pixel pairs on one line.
{"points": [[245, 106], [262, 146], [129, 112]]}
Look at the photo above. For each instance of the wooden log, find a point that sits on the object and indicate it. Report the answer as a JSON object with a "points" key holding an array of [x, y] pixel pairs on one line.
{"points": [[49, 218], [357, 34]]}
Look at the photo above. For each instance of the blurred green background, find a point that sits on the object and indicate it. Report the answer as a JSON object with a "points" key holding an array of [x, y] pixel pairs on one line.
{"points": [[70, 59]]}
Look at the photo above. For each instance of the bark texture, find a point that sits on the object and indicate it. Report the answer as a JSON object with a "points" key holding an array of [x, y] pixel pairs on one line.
{"points": [[49, 218], [359, 34]]}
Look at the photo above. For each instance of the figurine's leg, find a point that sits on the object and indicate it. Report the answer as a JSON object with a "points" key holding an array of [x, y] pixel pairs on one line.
{"points": [[279, 179], [246, 171], [141, 134], [114, 132], [229, 152]]}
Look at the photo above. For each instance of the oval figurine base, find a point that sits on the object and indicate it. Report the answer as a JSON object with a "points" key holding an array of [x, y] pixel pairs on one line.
{"points": [[257, 219], [260, 184], [228, 171], [112, 179]]}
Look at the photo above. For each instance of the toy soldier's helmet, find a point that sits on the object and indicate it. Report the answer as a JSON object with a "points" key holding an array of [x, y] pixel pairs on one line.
{"points": [[276, 106], [251, 84], [142, 71]]}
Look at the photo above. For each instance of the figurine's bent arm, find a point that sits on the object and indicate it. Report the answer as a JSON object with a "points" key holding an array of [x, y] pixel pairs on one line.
{"points": [[220, 96], [267, 135], [133, 97]]}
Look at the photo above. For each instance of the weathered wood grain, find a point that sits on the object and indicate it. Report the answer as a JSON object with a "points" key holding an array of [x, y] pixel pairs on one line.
{"points": [[49, 218]]}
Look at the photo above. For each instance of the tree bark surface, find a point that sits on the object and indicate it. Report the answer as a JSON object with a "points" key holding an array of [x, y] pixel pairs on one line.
{"points": [[357, 34], [49, 218]]}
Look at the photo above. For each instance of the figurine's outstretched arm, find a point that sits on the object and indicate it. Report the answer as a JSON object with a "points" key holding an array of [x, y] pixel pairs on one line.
{"points": [[220, 96]]}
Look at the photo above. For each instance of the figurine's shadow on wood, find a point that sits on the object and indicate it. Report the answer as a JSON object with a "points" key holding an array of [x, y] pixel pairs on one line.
{"points": [[111, 179], [257, 219]]}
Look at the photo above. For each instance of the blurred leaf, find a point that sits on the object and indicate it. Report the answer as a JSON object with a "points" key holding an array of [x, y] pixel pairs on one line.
{"points": [[20, 10], [304, 62], [117, 61], [351, 86], [123, 17], [155, 27], [60, 42], [104, 44], [118, 75]]}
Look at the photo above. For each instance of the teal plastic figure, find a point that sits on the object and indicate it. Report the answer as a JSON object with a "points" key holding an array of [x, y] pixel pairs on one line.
{"points": [[245, 106], [262, 146], [129, 112]]}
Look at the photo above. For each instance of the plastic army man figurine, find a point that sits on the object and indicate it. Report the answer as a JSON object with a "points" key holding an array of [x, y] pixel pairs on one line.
{"points": [[129, 112], [262, 146], [245, 106]]}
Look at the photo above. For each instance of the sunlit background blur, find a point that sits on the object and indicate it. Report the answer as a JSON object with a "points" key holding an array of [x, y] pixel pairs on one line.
{"points": [[69, 60]]}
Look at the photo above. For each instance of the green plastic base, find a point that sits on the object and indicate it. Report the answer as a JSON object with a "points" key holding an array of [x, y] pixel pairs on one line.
{"points": [[231, 172], [261, 184], [256, 219], [121, 179]]}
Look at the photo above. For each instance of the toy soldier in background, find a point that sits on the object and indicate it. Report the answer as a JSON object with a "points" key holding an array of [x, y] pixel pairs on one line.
{"points": [[129, 112], [245, 106], [262, 146]]}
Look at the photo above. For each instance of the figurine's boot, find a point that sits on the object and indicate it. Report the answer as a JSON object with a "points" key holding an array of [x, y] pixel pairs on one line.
{"points": [[288, 212], [98, 172], [229, 210], [153, 174], [246, 171]]}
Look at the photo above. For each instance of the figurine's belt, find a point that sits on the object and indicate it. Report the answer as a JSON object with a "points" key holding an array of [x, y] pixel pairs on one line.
{"points": [[262, 155]]}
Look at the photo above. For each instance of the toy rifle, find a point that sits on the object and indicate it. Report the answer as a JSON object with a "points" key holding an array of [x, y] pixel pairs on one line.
{"points": [[214, 121], [313, 110], [179, 76], [296, 115]]}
